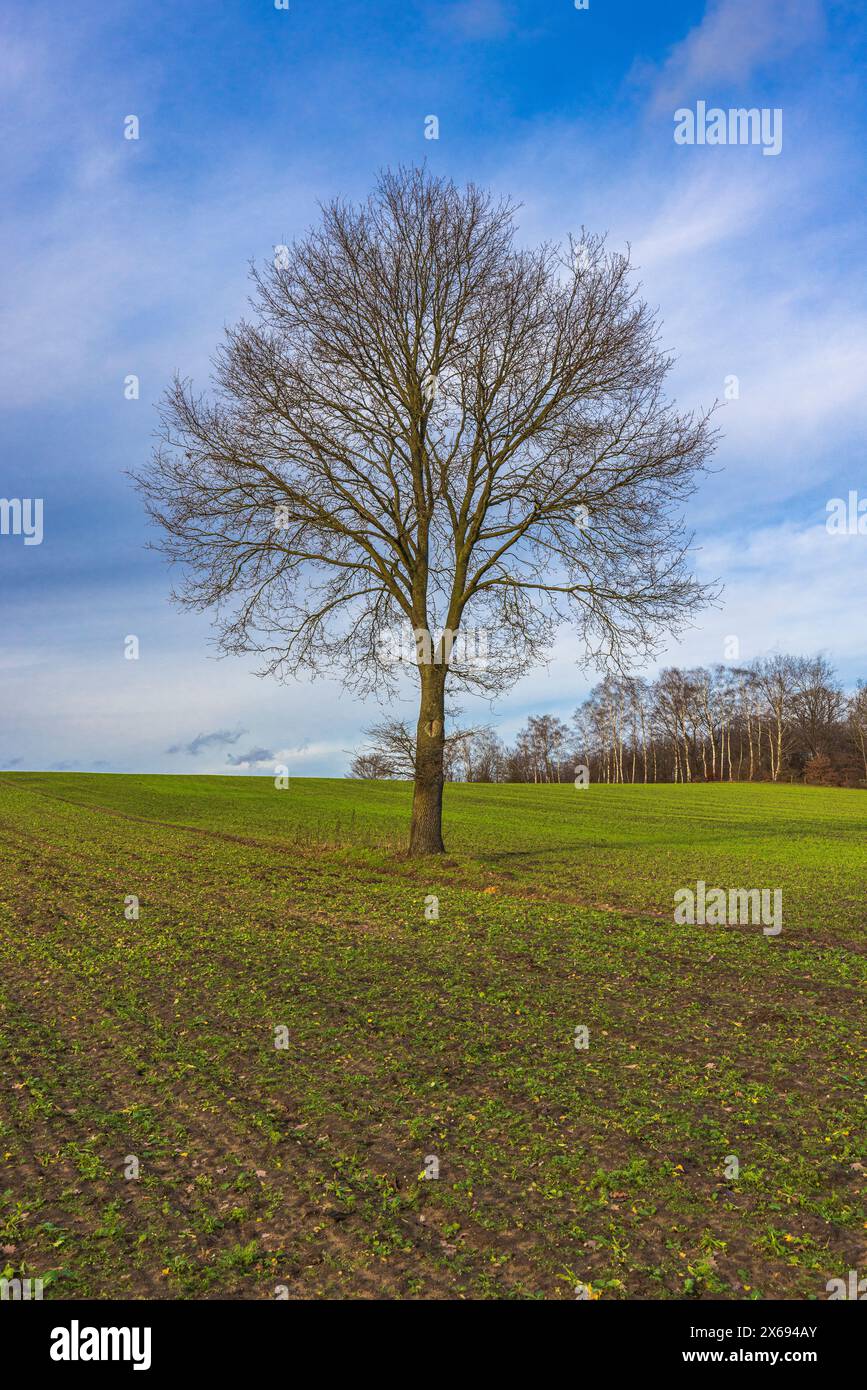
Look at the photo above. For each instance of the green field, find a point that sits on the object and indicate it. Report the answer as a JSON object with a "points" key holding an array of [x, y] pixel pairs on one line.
{"points": [[300, 1168]]}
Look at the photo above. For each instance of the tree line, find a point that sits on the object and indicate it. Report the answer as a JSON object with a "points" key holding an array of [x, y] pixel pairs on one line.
{"points": [[781, 718]]}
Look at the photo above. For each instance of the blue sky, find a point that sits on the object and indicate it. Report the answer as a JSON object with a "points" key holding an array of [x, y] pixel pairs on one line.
{"points": [[125, 257]]}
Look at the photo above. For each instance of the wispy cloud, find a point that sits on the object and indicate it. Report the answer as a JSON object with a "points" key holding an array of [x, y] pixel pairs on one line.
{"points": [[255, 757], [735, 40], [202, 741]]}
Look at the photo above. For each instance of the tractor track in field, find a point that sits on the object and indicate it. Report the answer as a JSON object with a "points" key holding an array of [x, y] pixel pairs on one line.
{"points": [[213, 1134], [150, 820], [209, 1137], [215, 1111], [505, 887]]}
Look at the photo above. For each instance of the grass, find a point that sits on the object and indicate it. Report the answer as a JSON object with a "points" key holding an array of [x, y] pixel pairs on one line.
{"points": [[289, 917]]}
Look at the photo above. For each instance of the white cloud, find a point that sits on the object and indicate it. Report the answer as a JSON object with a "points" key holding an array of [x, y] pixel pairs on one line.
{"points": [[755, 275], [735, 39]]}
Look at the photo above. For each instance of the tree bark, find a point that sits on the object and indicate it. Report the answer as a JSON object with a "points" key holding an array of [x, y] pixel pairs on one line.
{"points": [[426, 832]]}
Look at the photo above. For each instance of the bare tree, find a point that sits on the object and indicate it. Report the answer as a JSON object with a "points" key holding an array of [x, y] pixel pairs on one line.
{"points": [[545, 740], [426, 427], [857, 721], [390, 751], [488, 756], [371, 766], [817, 703], [777, 680]]}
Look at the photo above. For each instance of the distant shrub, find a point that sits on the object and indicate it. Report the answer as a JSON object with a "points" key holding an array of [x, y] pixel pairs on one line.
{"points": [[821, 772]]}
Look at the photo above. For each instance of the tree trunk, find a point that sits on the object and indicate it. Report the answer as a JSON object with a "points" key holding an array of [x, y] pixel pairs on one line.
{"points": [[426, 833], [729, 747]]}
